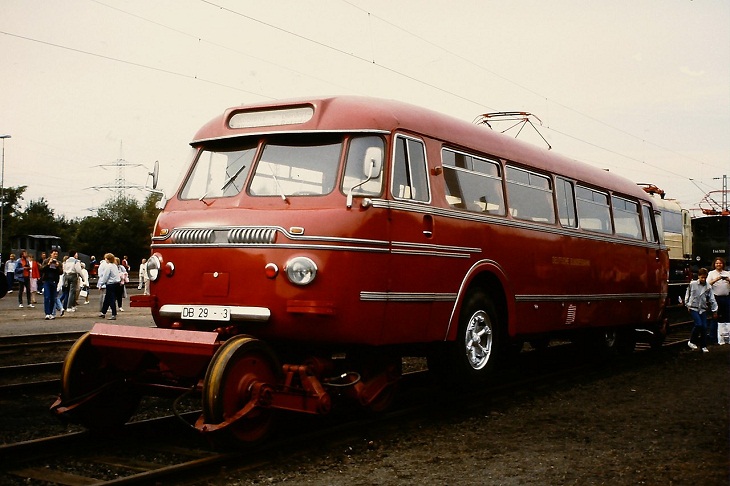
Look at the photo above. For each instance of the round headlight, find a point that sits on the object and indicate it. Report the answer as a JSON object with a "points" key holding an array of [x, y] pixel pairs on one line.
{"points": [[300, 270], [154, 264]]}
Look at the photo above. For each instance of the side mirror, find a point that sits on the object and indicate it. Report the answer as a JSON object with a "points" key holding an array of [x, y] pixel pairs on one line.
{"points": [[155, 179], [373, 163], [155, 174], [371, 168]]}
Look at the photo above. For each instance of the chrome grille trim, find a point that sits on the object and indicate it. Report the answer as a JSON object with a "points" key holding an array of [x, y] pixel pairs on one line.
{"points": [[194, 236], [251, 235]]}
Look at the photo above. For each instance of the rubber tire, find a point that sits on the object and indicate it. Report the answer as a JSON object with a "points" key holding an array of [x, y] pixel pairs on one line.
{"points": [[463, 362]]}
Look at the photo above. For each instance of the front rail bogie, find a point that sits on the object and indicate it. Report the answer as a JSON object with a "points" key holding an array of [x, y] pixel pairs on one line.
{"points": [[239, 379]]}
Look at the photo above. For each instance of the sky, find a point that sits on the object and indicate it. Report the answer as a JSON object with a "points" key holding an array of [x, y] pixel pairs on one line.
{"points": [[94, 92]]}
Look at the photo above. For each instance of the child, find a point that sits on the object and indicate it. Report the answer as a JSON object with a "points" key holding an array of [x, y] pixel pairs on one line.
{"points": [[698, 299]]}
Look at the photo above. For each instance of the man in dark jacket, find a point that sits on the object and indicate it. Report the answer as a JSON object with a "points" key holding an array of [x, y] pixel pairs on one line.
{"points": [[51, 270]]}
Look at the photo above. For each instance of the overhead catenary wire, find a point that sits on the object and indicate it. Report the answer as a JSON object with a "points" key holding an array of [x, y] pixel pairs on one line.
{"points": [[371, 61], [519, 85], [524, 88], [340, 51]]}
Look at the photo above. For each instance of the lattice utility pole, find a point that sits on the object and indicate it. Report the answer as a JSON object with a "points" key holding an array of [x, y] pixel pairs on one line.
{"points": [[120, 185]]}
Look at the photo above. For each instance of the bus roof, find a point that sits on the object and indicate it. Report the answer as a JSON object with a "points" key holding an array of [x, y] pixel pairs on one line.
{"points": [[353, 113], [667, 204]]}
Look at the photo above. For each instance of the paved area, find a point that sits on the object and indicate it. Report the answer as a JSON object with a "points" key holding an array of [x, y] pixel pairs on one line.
{"points": [[18, 321]]}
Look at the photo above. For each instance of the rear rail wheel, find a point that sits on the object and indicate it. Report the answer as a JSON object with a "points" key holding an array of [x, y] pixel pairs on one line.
{"points": [[604, 343], [540, 344], [626, 341], [238, 366], [659, 335]]}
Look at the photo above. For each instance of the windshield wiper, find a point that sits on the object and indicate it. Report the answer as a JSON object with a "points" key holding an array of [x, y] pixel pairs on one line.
{"points": [[276, 182], [232, 178]]}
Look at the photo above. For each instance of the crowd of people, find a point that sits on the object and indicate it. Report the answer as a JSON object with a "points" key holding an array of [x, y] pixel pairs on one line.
{"points": [[65, 283]]}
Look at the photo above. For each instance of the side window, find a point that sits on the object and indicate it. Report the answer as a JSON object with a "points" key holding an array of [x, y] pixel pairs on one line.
{"points": [[410, 179], [530, 195], [648, 227], [626, 218], [566, 202], [672, 221], [593, 210], [472, 183]]}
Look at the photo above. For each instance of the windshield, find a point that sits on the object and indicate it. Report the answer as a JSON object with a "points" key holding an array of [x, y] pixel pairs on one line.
{"points": [[219, 173], [292, 165], [297, 168]]}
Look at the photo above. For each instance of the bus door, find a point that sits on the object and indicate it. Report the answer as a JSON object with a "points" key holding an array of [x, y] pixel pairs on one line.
{"points": [[658, 271], [414, 276]]}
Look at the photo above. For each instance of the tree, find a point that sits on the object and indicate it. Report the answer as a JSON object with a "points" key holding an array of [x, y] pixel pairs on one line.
{"points": [[11, 209], [38, 218], [150, 210], [121, 226]]}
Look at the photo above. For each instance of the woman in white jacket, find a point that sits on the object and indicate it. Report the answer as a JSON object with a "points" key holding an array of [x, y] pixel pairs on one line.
{"points": [[109, 277], [84, 283]]}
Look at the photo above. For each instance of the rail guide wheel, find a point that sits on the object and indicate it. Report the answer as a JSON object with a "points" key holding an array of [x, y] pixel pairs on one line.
{"points": [[97, 395], [238, 366], [384, 372], [386, 398]]}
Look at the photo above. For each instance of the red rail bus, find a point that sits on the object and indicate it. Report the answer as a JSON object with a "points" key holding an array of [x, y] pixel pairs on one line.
{"points": [[313, 243]]}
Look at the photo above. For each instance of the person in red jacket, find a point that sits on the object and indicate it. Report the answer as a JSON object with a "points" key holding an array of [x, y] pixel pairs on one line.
{"points": [[22, 275], [35, 274]]}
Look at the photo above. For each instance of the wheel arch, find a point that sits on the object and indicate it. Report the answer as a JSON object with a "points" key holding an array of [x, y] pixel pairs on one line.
{"points": [[489, 276]]}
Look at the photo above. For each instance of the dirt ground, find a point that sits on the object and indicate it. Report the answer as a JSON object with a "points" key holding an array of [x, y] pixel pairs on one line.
{"points": [[662, 422]]}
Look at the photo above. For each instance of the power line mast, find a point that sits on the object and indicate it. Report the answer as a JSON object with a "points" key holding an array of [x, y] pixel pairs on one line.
{"points": [[120, 185]]}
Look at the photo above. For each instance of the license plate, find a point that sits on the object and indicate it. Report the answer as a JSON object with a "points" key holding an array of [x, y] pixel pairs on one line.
{"points": [[206, 313]]}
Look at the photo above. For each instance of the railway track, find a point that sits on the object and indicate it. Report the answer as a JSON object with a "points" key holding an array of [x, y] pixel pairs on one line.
{"points": [[35, 348], [30, 340], [33, 361], [161, 451], [30, 377]]}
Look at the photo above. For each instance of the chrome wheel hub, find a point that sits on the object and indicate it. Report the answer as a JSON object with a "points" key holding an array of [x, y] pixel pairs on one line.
{"points": [[478, 340]]}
